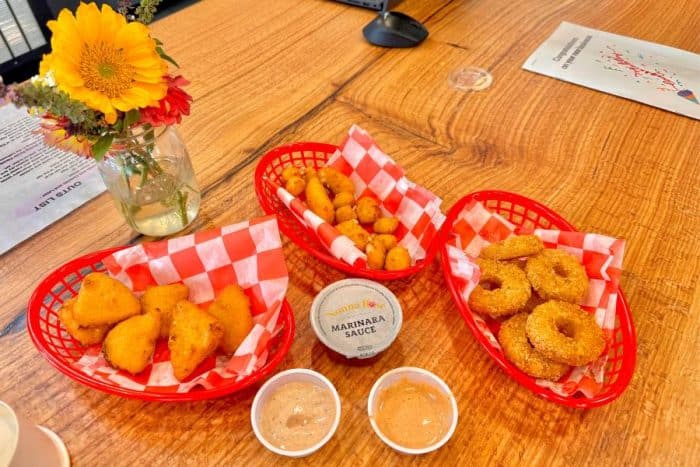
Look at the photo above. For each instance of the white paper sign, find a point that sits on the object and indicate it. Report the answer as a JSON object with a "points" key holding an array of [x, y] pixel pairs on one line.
{"points": [[650, 73], [38, 184]]}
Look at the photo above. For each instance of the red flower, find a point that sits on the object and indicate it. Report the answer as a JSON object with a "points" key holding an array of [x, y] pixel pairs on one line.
{"points": [[172, 107]]}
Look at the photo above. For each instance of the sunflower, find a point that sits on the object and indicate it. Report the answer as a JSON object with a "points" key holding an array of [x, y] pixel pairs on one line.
{"points": [[103, 61]]}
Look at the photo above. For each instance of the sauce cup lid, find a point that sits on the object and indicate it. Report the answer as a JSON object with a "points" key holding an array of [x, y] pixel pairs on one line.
{"points": [[356, 318], [418, 375]]}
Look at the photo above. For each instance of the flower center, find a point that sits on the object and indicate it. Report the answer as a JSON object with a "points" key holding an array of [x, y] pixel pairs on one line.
{"points": [[105, 69]]}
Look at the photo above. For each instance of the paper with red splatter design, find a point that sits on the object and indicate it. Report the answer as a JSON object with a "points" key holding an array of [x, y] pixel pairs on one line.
{"points": [[646, 72]]}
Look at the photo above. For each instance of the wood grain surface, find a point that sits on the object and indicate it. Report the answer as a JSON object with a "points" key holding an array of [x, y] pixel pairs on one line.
{"points": [[269, 73]]}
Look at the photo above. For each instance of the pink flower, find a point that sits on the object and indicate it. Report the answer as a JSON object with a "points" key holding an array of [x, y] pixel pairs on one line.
{"points": [[172, 107]]}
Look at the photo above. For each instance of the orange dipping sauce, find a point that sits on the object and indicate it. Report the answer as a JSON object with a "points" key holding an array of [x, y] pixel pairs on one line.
{"points": [[412, 414]]}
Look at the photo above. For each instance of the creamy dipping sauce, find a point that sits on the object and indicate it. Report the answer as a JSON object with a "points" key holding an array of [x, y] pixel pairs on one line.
{"points": [[412, 414], [297, 415]]}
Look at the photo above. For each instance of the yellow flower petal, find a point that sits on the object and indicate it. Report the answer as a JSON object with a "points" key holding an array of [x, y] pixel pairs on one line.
{"points": [[103, 61], [87, 17], [45, 65]]}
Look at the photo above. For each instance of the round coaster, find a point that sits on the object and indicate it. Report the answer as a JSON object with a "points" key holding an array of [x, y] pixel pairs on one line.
{"points": [[470, 78]]}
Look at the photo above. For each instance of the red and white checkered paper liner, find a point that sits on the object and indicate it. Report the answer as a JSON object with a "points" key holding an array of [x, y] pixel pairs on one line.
{"points": [[375, 174], [248, 254], [476, 226]]}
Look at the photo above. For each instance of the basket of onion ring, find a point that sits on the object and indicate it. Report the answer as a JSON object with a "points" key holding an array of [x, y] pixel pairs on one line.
{"points": [[375, 227], [542, 298]]}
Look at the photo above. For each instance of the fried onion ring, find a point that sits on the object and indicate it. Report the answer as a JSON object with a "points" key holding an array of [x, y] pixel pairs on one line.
{"points": [[513, 247], [522, 354], [502, 291], [557, 275], [565, 333]]}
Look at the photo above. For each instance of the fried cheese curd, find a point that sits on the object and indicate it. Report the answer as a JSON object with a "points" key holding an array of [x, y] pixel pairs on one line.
{"points": [[103, 300], [130, 344], [232, 308], [194, 336], [161, 299], [85, 335]]}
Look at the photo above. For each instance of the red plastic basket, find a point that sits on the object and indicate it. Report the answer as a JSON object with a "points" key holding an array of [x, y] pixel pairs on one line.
{"points": [[61, 350], [316, 155], [525, 212]]}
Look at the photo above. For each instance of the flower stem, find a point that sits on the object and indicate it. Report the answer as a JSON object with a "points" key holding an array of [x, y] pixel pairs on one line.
{"points": [[182, 207], [144, 175], [138, 159]]}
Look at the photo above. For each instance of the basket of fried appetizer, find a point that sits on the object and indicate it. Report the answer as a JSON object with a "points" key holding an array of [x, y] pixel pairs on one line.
{"points": [[351, 206], [189, 318], [542, 298]]}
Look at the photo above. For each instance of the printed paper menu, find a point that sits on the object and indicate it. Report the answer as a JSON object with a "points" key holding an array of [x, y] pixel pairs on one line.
{"points": [[646, 72], [38, 184]]}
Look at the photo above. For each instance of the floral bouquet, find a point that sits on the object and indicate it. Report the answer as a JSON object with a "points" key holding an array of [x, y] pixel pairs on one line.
{"points": [[105, 92]]}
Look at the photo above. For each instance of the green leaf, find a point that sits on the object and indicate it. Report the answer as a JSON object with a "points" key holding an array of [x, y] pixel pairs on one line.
{"points": [[166, 57], [158, 41], [118, 126], [99, 149], [131, 117]]}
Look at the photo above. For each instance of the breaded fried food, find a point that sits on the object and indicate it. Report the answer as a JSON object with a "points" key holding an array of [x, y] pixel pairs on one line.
{"points": [[518, 350], [367, 210], [103, 300], [376, 254], [389, 240], [557, 275], [295, 185], [397, 259], [161, 299], [194, 335], [565, 333], [232, 309], [309, 172], [129, 345], [352, 229], [343, 199], [289, 172], [386, 225], [503, 289], [335, 180], [534, 301], [513, 247], [318, 200], [85, 335], [344, 213]]}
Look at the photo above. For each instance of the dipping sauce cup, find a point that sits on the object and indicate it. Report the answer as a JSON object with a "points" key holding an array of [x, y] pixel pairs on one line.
{"points": [[409, 391], [24, 444], [295, 403]]}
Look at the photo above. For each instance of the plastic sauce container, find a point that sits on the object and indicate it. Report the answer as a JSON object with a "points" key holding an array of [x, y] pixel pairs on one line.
{"points": [[417, 376], [356, 318], [266, 392]]}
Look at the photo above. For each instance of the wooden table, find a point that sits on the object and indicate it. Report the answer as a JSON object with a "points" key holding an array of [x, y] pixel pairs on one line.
{"points": [[269, 73]]}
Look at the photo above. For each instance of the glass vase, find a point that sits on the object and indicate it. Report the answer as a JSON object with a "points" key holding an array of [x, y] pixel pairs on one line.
{"points": [[149, 175]]}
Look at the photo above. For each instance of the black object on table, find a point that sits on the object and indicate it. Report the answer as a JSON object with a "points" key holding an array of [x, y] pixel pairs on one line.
{"points": [[371, 4], [394, 29]]}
